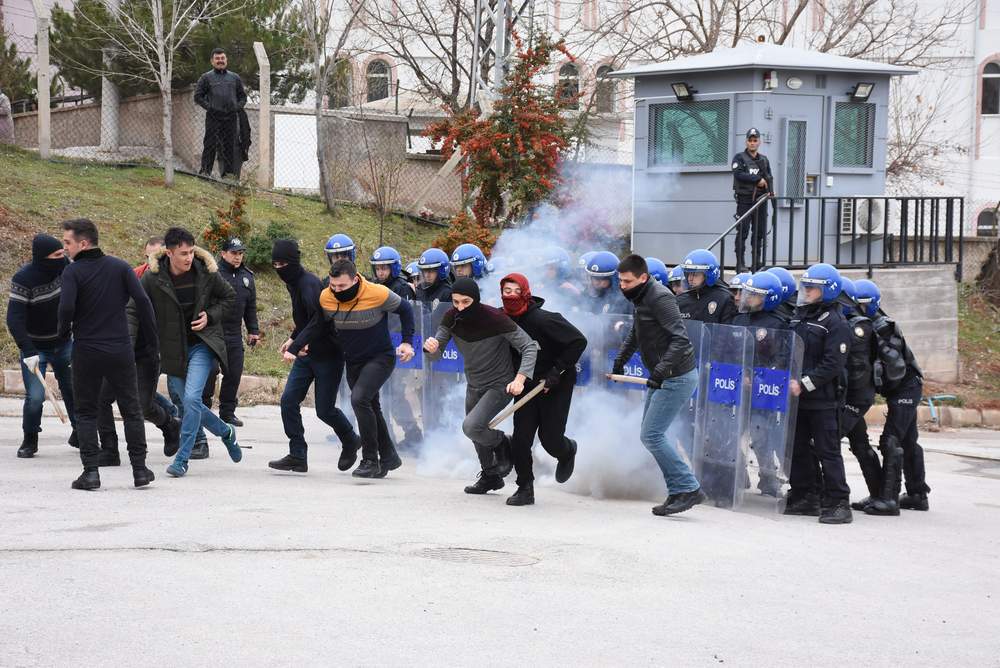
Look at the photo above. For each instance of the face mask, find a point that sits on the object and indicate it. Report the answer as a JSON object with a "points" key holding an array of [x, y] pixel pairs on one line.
{"points": [[515, 304], [633, 293], [53, 266], [348, 294], [289, 272]]}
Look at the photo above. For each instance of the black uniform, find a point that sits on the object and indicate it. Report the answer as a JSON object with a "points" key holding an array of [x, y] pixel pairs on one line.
{"points": [[437, 384], [709, 304], [899, 379], [221, 94], [560, 347], [245, 313], [610, 301], [399, 285], [860, 397], [768, 345], [401, 412], [748, 170], [824, 377]]}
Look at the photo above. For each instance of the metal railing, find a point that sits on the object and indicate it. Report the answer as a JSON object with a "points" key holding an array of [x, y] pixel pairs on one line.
{"points": [[856, 232]]}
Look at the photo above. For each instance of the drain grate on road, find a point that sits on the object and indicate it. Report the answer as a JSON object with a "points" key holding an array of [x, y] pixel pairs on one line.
{"points": [[466, 555]]}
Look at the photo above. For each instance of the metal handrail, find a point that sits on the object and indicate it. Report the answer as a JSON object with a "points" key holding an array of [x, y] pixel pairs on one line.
{"points": [[739, 220]]}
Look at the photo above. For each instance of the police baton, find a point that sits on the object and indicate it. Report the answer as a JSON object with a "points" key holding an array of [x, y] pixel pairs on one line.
{"points": [[517, 404]]}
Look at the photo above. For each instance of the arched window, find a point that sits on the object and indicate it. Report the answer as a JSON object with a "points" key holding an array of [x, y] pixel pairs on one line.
{"points": [[568, 90], [378, 80], [991, 89], [340, 84], [605, 101], [986, 224]]}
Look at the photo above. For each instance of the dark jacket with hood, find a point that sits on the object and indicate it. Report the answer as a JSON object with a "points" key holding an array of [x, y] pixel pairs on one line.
{"points": [[658, 332], [212, 295], [560, 343], [305, 289]]}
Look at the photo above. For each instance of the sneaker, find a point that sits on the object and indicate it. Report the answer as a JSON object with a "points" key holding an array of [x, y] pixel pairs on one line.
{"points": [[229, 440], [142, 476], [89, 479], [349, 454], [368, 468], [233, 420], [862, 504], [564, 469], [524, 496], [914, 502], [171, 437], [839, 513], [289, 463], [808, 506], [485, 483], [884, 507], [177, 469], [200, 450], [390, 462], [107, 457], [662, 508], [29, 446], [683, 501]]}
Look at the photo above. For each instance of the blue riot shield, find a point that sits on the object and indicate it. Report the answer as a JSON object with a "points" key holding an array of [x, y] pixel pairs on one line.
{"points": [[401, 394]]}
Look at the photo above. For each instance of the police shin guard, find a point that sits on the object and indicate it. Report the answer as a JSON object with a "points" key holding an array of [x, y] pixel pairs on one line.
{"points": [[871, 469], [887, 502]]}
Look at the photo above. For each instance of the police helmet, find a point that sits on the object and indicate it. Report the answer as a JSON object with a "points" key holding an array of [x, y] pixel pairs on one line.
{"points": [[602, 264], [557, 258], [738, 280], [339, 244], [824, 276], [789, 288], [847, 293], [657, 269], [387, 255], [702, 261], [470, 254], [760, 291], [676, 275], [868, 297], [434, 258]]}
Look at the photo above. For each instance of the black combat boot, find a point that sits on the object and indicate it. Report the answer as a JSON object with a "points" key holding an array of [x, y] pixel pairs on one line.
{"points": [[29, 446], [806, 505], [289, 463], [862, 504], [368, 468], [838, 513], [524, 496], [485, 483], [200, 449], [502, 458], [171, 437], [349, 454], [564, 467], [887, 502], [914, 502], [109, 457], [141, 475], [89, 479]]}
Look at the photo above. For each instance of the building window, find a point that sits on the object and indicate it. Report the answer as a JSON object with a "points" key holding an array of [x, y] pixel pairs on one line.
{"points": [[689, 133], [378, 80], [991, 89], [568, 89], [853, 134], [340, 85], [986, 223], [605, 101]]}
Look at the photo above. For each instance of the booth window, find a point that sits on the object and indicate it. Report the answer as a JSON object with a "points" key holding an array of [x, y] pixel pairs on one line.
{"points": [[605, 101], [692, 134], [568, 90], [986, 224], [378, 80], [853, 134], [991, 90]]}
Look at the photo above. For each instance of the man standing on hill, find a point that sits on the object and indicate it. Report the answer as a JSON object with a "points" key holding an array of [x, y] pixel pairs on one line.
{"points": [[95, 291], [220, 93]]}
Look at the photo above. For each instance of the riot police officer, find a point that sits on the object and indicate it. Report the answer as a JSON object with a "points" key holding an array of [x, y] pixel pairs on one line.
{"points": [[789, 292], [707, 299], [557, 274], [468, 261], [338, 247], [760, 295], [819, 320], [899, 379], [752, 179], [657, 270], [387, 269], [860, 392], [603, 294], [675, 280], [736, 286], [435, 285], [239, 276]]}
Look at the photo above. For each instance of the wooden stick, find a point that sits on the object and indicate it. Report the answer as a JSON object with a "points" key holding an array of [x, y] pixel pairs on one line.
{"points": [[50, 396], [618, 378], [517, 404]]}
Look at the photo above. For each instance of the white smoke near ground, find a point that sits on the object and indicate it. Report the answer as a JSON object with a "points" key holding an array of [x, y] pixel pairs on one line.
{"points": [[604, 421]]}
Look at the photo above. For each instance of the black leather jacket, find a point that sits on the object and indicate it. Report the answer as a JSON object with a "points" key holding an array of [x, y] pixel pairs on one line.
{"points": [[659, 333]]}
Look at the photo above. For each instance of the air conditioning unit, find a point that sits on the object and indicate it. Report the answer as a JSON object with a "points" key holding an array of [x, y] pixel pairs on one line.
{"points": [[861, 216]]}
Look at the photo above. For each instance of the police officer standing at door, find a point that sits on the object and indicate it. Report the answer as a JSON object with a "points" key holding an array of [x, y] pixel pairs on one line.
{"points": [[239, 276], [752, 179]]}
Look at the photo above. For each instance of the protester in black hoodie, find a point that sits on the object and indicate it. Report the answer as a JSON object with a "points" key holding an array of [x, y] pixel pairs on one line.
{"points": [[320, 360], [95, 291], [560, 347], [33, 322]]}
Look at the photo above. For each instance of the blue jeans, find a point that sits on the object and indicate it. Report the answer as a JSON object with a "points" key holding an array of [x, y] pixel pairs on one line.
{"points": [[326, 372], [60, 359], [166, 404], [194, 414], [661, 408]]}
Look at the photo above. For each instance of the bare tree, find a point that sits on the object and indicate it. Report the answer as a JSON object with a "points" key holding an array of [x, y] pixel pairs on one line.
{"points": [[317, 17], [151, 32], [385, 166]]}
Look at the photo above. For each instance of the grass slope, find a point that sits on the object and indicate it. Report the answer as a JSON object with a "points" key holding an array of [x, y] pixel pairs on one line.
{"points": [[130, 205]]}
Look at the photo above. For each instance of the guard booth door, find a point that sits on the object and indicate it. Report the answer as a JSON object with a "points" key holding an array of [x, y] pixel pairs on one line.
{"points": [[797, 168]]}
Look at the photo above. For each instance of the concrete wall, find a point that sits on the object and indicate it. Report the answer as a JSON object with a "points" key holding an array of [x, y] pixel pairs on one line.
{"points": [[677, 208]]}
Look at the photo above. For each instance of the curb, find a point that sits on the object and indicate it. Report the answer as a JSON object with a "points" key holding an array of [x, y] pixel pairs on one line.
{"points": [[948, 416]]}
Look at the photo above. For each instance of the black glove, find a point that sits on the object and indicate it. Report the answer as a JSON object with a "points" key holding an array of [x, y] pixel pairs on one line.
{"points": [[655, 380], [618, 368], [552, 378]]}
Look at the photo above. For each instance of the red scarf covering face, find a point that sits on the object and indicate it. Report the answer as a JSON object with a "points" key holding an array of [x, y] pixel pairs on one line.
{"points": [[516, 305]]}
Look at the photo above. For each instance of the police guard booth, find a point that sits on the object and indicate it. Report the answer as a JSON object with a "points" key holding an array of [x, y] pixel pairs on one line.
{"points": [[823, 123]]}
